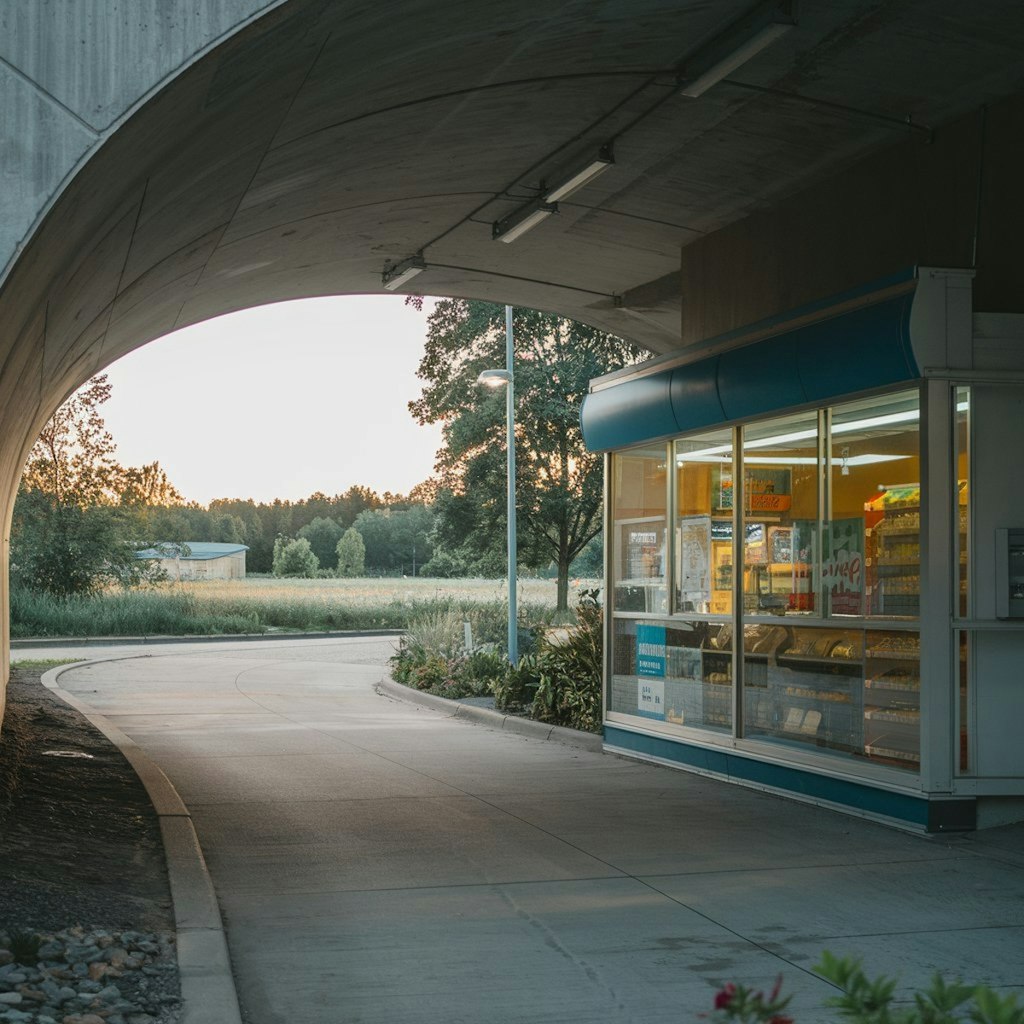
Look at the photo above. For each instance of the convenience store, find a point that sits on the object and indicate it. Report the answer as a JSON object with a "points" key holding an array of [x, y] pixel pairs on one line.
{"points": [[840, 489]]}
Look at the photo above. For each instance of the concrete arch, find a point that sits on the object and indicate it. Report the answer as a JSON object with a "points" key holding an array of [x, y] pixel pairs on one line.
{"points": [[192, 164]]}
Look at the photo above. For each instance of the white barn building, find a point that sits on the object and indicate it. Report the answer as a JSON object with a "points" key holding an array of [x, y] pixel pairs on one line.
{"points": [[203, 561]]}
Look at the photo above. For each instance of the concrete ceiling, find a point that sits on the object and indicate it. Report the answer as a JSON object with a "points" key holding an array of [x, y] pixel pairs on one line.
{"points": [[328, 140]]}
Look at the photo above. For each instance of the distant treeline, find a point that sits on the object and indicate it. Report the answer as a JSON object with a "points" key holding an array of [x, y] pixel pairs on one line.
{"points": [[395, 528]]}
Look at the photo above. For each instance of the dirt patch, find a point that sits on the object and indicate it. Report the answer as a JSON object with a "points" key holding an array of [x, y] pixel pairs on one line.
{"points": [[79, 840]]}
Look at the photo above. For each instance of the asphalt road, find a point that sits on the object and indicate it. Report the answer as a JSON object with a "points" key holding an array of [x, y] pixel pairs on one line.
{"points": [[380, 862]]}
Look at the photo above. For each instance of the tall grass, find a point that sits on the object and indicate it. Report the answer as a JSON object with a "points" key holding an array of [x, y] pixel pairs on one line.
{"points": [[182, 609]]}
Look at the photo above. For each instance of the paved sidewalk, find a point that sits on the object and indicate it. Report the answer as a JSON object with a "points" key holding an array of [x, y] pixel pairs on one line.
{"points": [[380, 862]]}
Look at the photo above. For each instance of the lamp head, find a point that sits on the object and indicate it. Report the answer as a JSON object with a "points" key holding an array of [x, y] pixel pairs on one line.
{"points": [[494, 378]]}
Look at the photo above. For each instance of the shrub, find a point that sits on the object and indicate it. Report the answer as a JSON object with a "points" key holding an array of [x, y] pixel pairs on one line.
{"points": [[569, 672], [558, 682], [294, 558], [351, 552], [515, 691]]}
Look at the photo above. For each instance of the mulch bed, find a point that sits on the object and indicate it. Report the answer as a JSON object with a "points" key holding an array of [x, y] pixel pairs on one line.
{"points": [[79, 840]]}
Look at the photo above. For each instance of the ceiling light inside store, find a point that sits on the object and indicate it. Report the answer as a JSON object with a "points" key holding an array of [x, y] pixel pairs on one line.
{"points": [[788, 460], [778, 440]]}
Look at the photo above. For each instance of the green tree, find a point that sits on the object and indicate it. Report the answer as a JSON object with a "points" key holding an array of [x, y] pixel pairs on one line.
{"points": [[397, 540], [323, 535], [225, 529], [73, 457], [558, 482], [77, 521], [294, 557], [351, 553], [590, 561], [147, 486], [65, 548]]}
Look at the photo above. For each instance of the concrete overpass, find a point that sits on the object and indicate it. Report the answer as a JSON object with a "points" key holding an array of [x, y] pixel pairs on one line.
{"points": [[165, 162]]}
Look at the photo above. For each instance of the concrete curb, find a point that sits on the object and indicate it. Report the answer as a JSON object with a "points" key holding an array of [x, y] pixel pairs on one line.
{"points": [[114, 641], [495, 719], [208, 991]]}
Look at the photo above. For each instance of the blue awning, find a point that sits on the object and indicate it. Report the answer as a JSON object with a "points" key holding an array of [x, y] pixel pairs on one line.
{"points": [[865, 348]]}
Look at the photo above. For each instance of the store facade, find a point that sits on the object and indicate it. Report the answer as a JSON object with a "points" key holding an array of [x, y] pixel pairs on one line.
{"points": [[813, 580]]}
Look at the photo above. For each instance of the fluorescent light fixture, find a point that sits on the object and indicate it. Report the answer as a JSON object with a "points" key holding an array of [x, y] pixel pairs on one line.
{"points": [[582, 177], [494, 378], [733, 47], [889, 419], [395, 276], [525, 218], [866, 459]]}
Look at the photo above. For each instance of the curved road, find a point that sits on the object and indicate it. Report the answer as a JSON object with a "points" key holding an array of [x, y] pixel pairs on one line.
{"points": [[380, 862]]}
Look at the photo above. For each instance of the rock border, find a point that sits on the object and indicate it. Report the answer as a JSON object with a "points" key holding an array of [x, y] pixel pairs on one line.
{"points": [[495, 719], [208, 993]]}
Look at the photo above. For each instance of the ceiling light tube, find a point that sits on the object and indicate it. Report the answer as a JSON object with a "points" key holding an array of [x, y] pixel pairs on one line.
{"points": [[525, 218], [582, 177], [867, 459], [734, 47], [395, 276]]}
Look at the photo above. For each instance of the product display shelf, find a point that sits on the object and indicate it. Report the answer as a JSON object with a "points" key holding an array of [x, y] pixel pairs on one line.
{"points": [[814, 683], [894, 560], [716, 677], [892, 699]]}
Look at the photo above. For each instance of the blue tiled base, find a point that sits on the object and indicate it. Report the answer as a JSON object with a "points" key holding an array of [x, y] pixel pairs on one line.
{"points": [[917, 812]]}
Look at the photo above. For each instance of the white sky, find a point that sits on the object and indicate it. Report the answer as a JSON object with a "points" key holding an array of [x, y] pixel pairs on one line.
{"points": [[279, 401]]}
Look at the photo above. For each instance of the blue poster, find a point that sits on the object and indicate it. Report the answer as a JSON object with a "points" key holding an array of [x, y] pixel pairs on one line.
{"points": [[650, 650]]}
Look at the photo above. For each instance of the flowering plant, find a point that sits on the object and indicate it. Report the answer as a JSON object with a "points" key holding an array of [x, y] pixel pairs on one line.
{"points": [[866, 1001], [746, 1006]]}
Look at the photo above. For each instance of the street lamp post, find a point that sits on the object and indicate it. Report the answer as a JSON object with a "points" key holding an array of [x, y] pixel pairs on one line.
{"points": [[495, 378]]}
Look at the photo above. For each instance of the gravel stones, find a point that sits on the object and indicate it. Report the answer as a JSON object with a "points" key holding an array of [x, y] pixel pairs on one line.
{"points": [[91, 977]]}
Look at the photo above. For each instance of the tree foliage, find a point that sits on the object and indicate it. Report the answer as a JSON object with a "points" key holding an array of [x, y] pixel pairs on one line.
{"points": [[294, 558], [323, 535], [73, 458], [147, 486], [558, 483], [65, 548], [396, 539], [74, 528], [351, 553]]}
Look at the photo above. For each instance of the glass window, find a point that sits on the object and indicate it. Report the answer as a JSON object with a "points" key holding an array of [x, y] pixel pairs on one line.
{"points": [[674, 671], [892, 698], [961, 432], [780, 515], [871, 562], [704, 516], [852, 691], [639, 504]]}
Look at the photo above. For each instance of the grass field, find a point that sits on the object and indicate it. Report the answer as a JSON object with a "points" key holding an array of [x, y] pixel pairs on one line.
{"points": [[262, 605]]}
